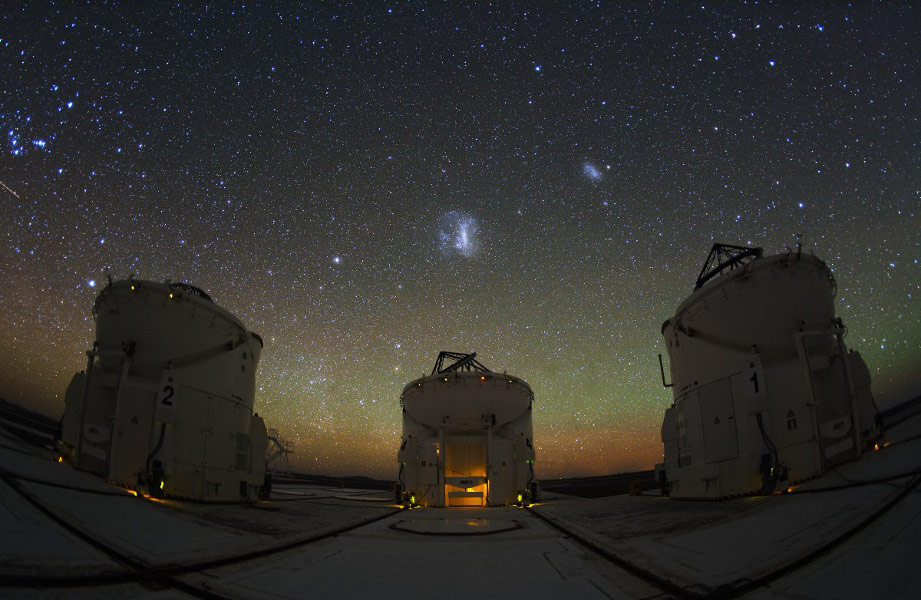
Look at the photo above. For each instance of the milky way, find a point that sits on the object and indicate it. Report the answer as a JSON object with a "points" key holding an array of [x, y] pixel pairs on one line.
{"points": [[302, 163]]}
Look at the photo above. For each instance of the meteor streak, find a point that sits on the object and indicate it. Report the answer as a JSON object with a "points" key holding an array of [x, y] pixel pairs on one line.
{"points": [[10, 190]]}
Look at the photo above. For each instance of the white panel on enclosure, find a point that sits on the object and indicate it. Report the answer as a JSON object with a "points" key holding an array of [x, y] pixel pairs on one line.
{"points": [[171, 381], [761, 386]]}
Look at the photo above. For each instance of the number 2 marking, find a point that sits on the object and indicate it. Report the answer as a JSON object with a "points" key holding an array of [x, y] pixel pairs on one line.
{"points": [[167, 395]]}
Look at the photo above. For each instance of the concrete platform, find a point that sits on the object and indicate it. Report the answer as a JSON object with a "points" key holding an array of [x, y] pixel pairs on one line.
{"points": [[66, 534]]}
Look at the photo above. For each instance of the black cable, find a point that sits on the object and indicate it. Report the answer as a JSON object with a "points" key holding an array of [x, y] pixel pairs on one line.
{"points": [[767, 441], [157, 447], [852, 483], [63, 486], [141, 570]]}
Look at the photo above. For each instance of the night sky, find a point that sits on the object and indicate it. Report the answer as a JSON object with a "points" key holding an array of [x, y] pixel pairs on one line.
{"points": [[365, 185]]}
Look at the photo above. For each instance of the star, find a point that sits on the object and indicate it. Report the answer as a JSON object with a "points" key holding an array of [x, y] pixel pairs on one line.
{"points": [[362, 198]]}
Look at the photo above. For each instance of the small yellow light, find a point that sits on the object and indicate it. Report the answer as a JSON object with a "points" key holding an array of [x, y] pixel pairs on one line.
{"points": [[446, 380], [60, 459], [520, 497], [132, 288], [876, 446], [161, 484], [789, 489], [171, 294], [482, 378]]}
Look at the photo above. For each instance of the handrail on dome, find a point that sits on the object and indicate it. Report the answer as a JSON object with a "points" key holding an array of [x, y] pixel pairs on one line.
{"points": [[195, 291]]}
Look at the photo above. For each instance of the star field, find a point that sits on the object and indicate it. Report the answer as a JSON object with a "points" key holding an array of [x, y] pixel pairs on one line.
{"points": [[365, 185]]}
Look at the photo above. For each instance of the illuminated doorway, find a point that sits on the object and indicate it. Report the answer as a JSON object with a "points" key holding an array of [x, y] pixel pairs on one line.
{"points": [[465, 475]]}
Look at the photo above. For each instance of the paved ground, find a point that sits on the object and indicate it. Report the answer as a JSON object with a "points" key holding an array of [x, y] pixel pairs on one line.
{"points": [[382, 562], [66, 534]]}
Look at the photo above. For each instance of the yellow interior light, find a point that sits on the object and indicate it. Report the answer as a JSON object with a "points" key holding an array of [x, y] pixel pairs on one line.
{"points": [[161, 484], [171, 294]]}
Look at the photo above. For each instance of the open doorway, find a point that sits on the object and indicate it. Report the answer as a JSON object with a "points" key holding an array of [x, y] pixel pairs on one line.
{"points": [[465, 475]]}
